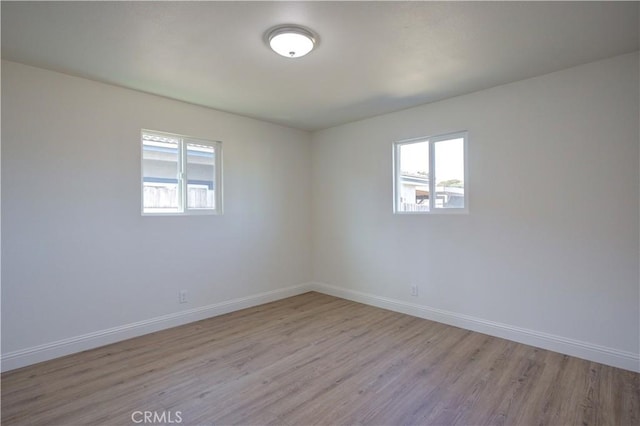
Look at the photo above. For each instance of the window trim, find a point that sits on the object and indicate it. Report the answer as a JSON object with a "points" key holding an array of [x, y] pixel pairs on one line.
{"points": [[182, 175], [431, 140]]}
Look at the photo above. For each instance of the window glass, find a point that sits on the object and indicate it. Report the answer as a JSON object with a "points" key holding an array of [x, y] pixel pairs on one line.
{"points": [[429, 174], [414, 177], [449, 173], [160, 163], [200, 176], [180, 175]]}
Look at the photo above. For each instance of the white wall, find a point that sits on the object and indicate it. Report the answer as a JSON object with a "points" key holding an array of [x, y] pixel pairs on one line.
{"points": [[548, 253], [77, 256], [549, 249]]}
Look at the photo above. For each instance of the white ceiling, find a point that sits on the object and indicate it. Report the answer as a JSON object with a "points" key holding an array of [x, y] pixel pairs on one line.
{"points": [[373, 57]]}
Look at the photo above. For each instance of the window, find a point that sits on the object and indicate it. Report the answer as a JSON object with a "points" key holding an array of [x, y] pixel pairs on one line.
{"points": [[180, 175], [429, 174]]}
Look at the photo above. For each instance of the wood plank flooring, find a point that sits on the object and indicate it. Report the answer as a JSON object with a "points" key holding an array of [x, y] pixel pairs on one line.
{"points": [[316, 359]]}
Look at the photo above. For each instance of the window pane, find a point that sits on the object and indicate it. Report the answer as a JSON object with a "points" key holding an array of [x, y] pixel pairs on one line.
{"points": [[160, 162], [449, 173], [200, 176], [413, 179]]}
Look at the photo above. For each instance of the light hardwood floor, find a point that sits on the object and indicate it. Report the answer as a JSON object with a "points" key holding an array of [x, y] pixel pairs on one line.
{"points": [[316, 359]]}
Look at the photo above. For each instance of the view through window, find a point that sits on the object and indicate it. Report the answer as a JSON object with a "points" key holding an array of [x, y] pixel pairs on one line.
{"points": [[429, 174], [180, 175]]}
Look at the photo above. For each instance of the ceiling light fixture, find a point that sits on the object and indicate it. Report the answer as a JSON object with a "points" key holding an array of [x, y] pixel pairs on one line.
{"points": [[291, 41]]}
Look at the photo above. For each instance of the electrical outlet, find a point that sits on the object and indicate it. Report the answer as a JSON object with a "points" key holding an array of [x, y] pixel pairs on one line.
{"points": [[182, 296], [414, 290]]}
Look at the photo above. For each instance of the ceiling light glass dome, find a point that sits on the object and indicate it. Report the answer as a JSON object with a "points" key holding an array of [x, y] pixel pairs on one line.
{"points": [[291, 41]]}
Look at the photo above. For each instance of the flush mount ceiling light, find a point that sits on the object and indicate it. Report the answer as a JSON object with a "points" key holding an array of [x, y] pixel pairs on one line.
{"points": [[291, 41]]}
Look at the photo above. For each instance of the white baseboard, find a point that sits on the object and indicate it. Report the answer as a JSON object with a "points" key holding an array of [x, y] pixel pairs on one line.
{"points": [[579, 349], [47, 351], [585, 350]]}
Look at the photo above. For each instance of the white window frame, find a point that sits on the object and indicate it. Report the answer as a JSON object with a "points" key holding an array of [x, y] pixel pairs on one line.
{"points": [[182, 175], [431, 140]]}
